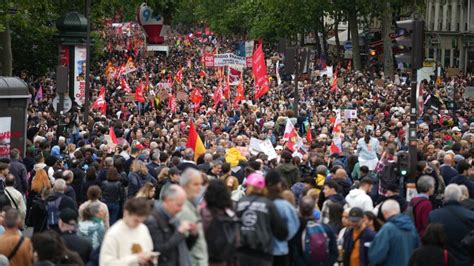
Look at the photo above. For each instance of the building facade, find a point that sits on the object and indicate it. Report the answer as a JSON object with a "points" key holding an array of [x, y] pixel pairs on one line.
{"points": [[450, 33]]}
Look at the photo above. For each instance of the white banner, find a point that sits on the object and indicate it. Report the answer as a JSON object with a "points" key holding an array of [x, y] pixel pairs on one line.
{"points": [[347, 113], [5, 136], [229, 59], [79, 74], [265, 146]]}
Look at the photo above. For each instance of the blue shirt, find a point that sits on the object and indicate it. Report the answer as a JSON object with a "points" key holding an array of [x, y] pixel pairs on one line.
{"points": [[290, 217]]}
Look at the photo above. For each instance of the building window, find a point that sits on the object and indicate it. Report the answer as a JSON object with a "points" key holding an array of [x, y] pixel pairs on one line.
{"points": [[447, 53], [456, 58], [430, 52]]}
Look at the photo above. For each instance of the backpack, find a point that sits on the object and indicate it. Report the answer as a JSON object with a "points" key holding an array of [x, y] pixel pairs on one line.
{"points": [[222, 237], [315, 243], [389, 175], [53, 211], [4, 199], [410, 211]]}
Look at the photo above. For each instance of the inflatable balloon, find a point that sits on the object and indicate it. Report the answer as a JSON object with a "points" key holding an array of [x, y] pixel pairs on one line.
{"points": [[152, 24]]}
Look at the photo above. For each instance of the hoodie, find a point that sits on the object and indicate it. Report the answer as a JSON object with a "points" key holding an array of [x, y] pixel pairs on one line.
{"points": [[289, 172], [358, 198], [395, 242]]}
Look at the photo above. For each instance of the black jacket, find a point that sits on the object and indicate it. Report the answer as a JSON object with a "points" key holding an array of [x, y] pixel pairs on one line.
{"points": [[66, 201], [112, 192], [78, 243], [19, 171], [458, 222], [167, 240], [260, 222], [430, 255]]}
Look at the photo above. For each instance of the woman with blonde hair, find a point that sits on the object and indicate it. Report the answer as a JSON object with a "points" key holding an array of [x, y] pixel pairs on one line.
{"points": [[137, 177], [146, 191]]}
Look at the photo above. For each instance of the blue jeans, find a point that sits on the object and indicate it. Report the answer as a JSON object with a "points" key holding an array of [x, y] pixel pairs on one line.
{"points": [[114, 209]]}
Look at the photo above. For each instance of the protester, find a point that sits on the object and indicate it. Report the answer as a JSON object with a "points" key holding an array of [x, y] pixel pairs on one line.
{"points": [[433, 251], [356, 239], [68, 220], [128, 241], [13, 245], [421, 205], [333, 207], [457, 222], [91, 225], [49, 249], [56, 202], [94, 194], [397, 238], [167, 232], [220, 225], [260, 223], [286, 211], [113, 194], [16, 197], [191, 181], [359, 197]]}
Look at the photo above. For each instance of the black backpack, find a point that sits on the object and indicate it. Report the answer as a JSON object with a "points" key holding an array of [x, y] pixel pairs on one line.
{"points": [[222, 237], [389, 176], [4, 199]]}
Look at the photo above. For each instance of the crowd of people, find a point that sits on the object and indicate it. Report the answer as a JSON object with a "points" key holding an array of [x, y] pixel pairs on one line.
{"points": [[122, 187]]}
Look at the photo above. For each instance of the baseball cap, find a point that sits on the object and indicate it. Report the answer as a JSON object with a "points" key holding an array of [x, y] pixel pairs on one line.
{"points": [[356, 214], [255, 180], [68, 216], [454, 129]]}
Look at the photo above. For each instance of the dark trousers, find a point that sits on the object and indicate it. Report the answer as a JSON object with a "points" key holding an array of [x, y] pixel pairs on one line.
{"points": [[114, 209], [250, 260], [283, 260]]}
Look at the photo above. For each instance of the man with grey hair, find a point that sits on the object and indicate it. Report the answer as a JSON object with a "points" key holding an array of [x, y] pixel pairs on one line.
{"points": [[167, 232], [465, 200], [188, 160], [447, 170], [191, 181], [396, 240], [206, 166], [57, 202], [457, 221], [421, 205]]}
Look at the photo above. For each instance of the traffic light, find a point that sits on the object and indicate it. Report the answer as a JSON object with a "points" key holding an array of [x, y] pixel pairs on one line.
{"points": [[403, 163], [409, 43]]}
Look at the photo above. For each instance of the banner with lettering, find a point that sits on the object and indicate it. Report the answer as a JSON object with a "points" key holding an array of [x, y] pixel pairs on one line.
{"points": [[79, 74], [5, 136]]}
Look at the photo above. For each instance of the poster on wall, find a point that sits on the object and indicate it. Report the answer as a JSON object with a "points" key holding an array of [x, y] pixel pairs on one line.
{"points": [[79, 73], [5, 136]]}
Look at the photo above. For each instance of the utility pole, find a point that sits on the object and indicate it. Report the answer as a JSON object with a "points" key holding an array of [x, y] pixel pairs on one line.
{"points": [[296, 92], [88, 60]]}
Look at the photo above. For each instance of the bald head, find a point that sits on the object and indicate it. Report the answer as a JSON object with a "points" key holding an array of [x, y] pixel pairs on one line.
{"points": [[340, 174]]}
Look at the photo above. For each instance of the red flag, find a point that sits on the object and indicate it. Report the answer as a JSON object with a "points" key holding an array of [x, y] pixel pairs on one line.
{"points": [[147, 82], [239, 96], [112, 135], [309, 137], [170, 80], [259, 69], [334, 82], [217, 97], [196, 98], [100, 103], [202, 74], [421, 103], [139, 93], [334, 148], [172, 103], [179, 75], [227, 89], [125, 86]]}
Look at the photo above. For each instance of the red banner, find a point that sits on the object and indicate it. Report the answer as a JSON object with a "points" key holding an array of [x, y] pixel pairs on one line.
{"points": [[259, 69], [208, 59]]}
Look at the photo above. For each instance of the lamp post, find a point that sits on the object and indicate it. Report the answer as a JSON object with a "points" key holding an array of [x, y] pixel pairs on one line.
{"points": [[88, 59]]}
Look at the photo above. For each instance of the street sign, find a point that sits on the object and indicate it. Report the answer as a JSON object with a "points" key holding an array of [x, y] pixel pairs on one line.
{"points": [[67, 103], [348, 45]]}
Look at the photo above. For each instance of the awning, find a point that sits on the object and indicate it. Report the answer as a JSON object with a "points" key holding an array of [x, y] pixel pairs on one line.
{"points": [[343, 38]]}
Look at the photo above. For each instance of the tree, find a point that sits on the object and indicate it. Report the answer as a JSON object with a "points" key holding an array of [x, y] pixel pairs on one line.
{"points": [[387, 29]]}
